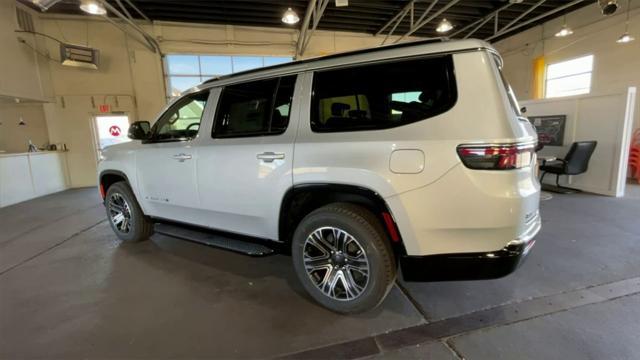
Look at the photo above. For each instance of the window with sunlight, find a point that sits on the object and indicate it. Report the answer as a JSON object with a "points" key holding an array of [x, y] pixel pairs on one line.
{"points": [[186, 71], [571, 77]]}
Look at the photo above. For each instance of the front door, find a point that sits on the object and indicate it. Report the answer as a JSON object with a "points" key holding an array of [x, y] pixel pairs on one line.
{"points": [[167, 162], [245, 167]]}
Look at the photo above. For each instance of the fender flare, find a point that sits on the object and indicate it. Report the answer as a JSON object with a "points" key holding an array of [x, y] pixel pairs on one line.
{"points": [[382, 209]]}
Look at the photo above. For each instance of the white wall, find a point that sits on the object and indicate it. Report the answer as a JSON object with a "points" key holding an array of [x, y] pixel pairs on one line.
{"points": [[15, 137], [23, 73], [616, 66]]}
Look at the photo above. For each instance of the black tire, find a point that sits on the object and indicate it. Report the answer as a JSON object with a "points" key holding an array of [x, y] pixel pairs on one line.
{"points": [[369, 236], [140, 226]]}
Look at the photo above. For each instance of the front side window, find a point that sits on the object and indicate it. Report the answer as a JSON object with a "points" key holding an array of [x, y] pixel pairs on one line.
{"points": [[383, 95], [255, 108], [182, 120], [567, 78]]}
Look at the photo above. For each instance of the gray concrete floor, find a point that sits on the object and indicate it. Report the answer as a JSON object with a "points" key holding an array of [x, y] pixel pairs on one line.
{"points": [[68, 289]]}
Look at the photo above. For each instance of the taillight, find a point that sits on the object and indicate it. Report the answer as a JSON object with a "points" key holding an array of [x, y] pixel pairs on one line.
{"points": [[496, 156]]}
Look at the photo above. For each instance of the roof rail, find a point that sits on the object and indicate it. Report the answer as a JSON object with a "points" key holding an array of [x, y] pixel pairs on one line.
{"points": [[333, 56]]}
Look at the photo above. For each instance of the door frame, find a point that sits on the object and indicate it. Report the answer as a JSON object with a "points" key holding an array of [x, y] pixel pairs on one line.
{"points": [[96, 133]]}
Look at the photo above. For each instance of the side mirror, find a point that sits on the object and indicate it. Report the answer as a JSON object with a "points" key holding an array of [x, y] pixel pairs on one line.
{"points": [[139, 130]]}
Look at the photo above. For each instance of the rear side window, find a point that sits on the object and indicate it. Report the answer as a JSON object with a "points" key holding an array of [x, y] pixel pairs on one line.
{"points": [[254, 108], [382, 96]]}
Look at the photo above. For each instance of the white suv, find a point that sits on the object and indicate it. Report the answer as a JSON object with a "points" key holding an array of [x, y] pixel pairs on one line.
{"points": [[414, 154]]}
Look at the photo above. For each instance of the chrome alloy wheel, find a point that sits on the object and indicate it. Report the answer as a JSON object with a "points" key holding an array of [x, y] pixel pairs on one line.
{"points": [[336, 263], [119, 213]]}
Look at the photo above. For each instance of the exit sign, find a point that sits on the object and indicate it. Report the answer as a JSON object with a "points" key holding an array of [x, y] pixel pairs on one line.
{"points": [[104, 108]]}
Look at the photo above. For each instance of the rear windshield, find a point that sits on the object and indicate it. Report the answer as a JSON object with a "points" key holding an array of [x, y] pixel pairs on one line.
{"points": [[510, 94], [381, 96]]}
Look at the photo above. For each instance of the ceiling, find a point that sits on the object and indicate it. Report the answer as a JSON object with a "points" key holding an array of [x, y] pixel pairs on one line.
{"points": [[364, 16]]}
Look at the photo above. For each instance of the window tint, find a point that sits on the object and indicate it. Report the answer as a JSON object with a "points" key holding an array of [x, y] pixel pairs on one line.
{"points": [[282, 105], [182, 120], [255, 108], [383, 95]]}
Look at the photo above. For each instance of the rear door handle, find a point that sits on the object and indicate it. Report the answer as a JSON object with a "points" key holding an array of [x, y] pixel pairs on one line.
{"points": [[182, 157], [270, 156]]}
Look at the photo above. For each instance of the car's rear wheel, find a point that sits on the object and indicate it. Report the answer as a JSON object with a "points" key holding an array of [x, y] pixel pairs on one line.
{"points": [[343, 258], [125, 215]]}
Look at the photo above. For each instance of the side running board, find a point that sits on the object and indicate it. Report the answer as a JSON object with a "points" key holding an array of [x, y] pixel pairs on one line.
{"points": [[226, 242]]}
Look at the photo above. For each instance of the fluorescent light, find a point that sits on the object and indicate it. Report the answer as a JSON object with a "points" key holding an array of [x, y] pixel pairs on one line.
{"points": [[444, 26], [625, 38], [290, 17], [565, 31], [92, 7]]}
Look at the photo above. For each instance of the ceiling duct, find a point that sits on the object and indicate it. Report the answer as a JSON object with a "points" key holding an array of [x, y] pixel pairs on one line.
{"points": [[608, 7], [79, 56]]}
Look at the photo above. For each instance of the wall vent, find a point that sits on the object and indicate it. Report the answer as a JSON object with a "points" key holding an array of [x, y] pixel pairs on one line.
{"points": [[25, 20], [79, 56]]}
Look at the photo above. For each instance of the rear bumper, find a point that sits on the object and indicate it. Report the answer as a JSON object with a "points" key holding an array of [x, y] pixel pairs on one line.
{"points": [[471, 266]]}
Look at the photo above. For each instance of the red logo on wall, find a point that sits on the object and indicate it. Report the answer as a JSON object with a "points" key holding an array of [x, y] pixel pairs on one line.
{"points": [[115, 130]]}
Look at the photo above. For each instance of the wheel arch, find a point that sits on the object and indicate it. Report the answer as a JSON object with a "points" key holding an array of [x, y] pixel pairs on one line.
{"points": [[299, 200], [110, 177]]}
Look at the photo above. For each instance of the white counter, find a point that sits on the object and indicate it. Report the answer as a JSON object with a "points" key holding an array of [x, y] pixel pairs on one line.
{"points": [[24, 176]]}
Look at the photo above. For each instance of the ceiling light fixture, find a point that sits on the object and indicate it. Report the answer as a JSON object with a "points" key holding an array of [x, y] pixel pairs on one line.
{"points": [[565, 30], [290, 17], [92, 7], [625, 38], [444, 26]]}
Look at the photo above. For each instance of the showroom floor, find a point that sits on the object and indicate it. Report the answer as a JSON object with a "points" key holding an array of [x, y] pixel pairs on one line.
{"points": [[68, 289]]}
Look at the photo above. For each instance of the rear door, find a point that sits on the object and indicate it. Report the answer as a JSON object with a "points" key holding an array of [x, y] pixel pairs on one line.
{"points": [[379, 125], [245, 167]]}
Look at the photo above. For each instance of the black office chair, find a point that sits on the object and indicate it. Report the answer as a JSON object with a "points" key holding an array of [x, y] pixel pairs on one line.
{"points": [[575, 162]]}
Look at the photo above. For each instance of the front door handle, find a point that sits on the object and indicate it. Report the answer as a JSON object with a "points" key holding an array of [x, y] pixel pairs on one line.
{"points": [[270, 156], [182, 157]]}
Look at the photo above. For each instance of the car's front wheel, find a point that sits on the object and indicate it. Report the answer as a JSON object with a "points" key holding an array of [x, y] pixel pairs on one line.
{"points": [[343, 258], [125, 215]]}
